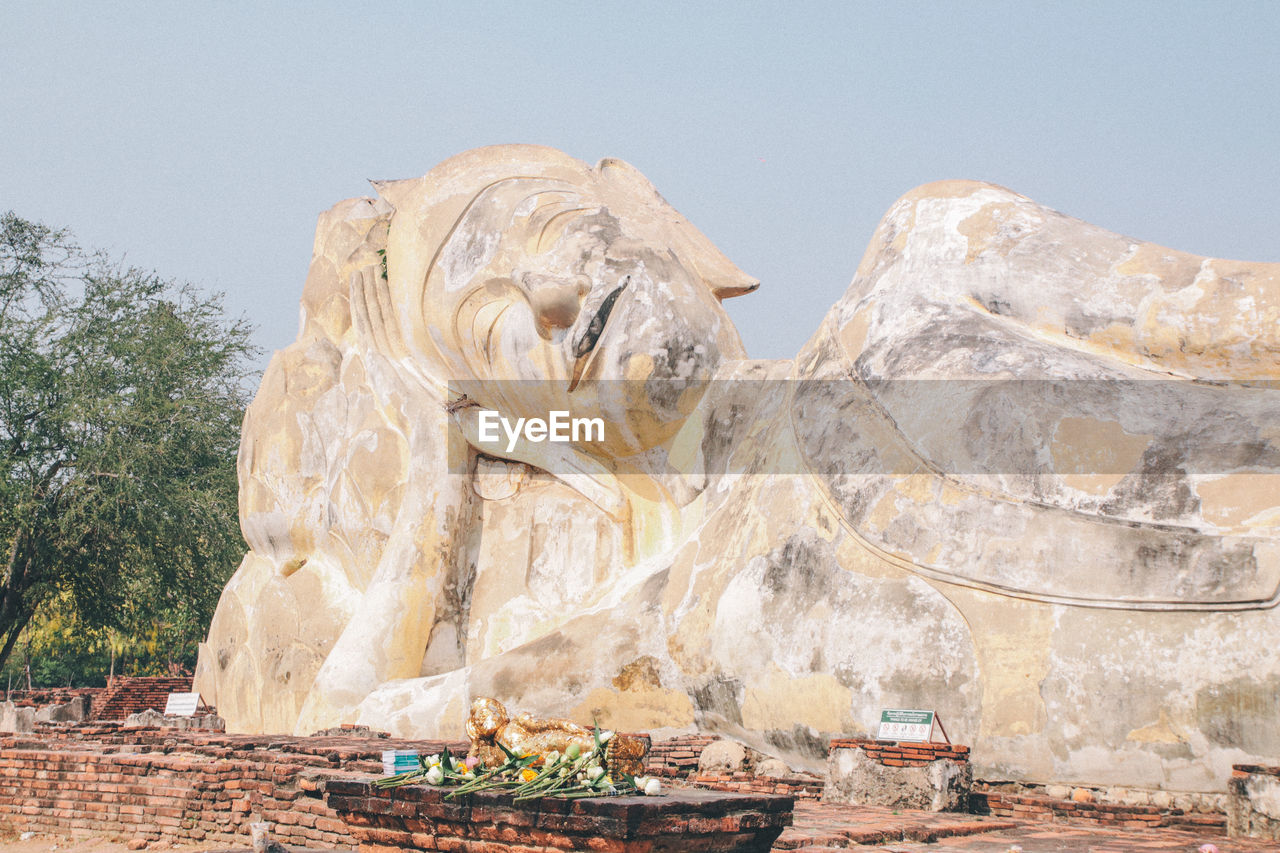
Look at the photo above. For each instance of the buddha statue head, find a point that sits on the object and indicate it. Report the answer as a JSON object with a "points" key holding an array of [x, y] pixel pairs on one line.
{"points": [[531, 282]]}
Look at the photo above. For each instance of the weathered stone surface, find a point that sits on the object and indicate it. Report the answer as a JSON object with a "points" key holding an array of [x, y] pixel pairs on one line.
{"points": [[722, 756], [1253, 802], [14, 718], [145, 719], [70, 712], [773, 767], [155, 719], [967, 493], [941, 785]]}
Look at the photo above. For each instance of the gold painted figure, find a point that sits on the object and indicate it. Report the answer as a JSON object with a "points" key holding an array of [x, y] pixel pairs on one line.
{"points": [[489, 724]]}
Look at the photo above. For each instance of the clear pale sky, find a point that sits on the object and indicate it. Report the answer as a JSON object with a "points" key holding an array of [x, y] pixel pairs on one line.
{"points": [[202, 139]]}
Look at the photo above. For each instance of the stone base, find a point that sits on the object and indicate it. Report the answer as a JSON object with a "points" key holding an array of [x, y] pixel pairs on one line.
{"points": [[157, 720], [928, 777], [1253, 802], [420, 817], [15, 719]]}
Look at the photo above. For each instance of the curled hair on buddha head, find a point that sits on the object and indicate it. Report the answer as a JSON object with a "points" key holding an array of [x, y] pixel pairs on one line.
{"points": [[487, 717], [432, 250]]}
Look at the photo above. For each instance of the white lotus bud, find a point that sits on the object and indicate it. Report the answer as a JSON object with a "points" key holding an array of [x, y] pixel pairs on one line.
{"points": [[594, 772], [435, 775], [652, 787]]}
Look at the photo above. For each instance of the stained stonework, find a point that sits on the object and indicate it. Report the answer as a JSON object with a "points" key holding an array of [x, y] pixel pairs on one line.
{"points": [[899, 776], [1253, 803], [1024, 474]]}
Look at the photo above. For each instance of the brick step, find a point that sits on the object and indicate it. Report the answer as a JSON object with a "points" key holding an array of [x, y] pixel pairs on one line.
{"points": [[1211, 824], [822, 826]]}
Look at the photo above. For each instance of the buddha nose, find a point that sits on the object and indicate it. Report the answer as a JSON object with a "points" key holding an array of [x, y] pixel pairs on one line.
{"points": [[555, 300]]}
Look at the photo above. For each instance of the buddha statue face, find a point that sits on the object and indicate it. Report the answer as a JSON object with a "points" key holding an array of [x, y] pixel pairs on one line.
{"points": [[486, 719], [564, 287]]}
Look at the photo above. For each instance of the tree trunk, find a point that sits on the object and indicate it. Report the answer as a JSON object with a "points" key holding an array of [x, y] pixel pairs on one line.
{"points": [[10, 633], [15, 611]]}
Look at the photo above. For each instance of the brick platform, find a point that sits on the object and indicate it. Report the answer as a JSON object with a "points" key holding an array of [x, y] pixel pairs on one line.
{"points": [[929, 776], [166, 785], [183, 787], [1048, 808], [421, 818], [1051, 809]]}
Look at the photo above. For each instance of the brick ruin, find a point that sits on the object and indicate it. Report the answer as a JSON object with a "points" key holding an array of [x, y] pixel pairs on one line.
{"points": [[423, 819], [110, 779], [124, 695], [159, 784]]}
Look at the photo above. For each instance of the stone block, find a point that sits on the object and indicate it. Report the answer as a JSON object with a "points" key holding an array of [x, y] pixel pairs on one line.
{"points": [[71, 712], [1253, 802], [773, 767], [15, 719], [722, 755], [939, 785]]}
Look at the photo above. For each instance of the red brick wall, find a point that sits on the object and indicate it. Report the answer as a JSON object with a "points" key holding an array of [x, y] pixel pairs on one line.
{"points": [[799, 786], [677, 757], [180, 786], [39, 697], [1044, 808], [175, 797], [905, 753], [127, 695]]}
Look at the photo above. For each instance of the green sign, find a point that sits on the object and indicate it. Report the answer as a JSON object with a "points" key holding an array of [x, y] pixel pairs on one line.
{"points": [[900, 724]]}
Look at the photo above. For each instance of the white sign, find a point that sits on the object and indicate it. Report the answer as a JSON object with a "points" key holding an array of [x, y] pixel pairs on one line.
{"points": [[905, 725], [182, 704]]}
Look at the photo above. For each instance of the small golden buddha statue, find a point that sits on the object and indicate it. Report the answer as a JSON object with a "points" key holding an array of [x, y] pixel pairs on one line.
{"points": [[489, 724]]}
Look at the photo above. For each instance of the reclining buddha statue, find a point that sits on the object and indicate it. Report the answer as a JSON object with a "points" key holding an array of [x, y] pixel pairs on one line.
{"points": [[1023, 474]]}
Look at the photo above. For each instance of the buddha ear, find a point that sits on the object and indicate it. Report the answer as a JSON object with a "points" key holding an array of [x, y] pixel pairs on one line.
{"points": [[719, 273]]}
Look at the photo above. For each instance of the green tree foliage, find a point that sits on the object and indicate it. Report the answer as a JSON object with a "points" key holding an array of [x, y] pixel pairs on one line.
{"points": [[121, 396]]}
